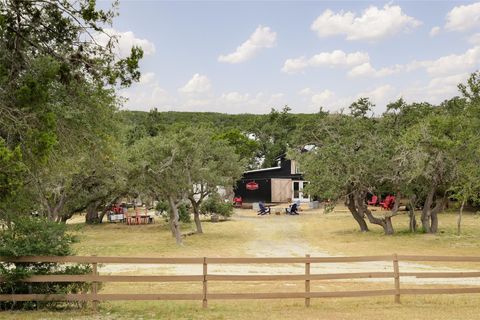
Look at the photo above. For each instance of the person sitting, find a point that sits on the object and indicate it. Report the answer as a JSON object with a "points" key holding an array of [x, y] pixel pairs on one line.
{"points": [[263, 209], [292, 209]]}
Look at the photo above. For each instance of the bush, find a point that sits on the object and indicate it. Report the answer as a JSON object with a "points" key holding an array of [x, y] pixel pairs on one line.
{"points": [[215, 205], [162, 206], [28, 236], [184, 213]]}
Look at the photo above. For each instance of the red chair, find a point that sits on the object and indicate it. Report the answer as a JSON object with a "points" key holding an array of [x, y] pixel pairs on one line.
{"points": [[237, 201], [388, 203], [373, 202]]}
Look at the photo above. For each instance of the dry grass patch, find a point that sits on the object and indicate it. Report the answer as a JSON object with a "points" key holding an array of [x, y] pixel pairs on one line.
{"points": [[428, 308]]}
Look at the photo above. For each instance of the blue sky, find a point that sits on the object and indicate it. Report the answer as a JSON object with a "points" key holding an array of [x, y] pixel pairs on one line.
{"points": [[250, 56]]}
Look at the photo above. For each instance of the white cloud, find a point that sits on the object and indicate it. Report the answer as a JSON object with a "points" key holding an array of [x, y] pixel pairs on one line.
{"points": [[126, 40], [462, 18], [434, 31], [437, 90], [468, 61], [331, 101], [196, 85], [262, 37], [373, 24], [336, 58], [295, 65], [234, 97], [305, 92], [324, 97], [147, 94], [454, 63], [380, 95], [147, 77], [366, 70], [474, 39]]}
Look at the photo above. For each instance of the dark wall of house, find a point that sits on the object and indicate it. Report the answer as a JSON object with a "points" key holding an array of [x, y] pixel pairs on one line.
{"points": [[264, 180], [283, 172], [263, 193]]}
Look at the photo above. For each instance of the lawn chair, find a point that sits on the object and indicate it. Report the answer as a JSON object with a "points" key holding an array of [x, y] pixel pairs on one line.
{"points": [[388, 203], [263, 209], [237, 202], [373, 201], [293, 209]]}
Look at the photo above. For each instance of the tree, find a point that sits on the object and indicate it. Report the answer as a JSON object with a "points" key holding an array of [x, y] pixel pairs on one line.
{"points": [[185, 165], [57, 82], [273, 134], [341, 163], [157, 170], [209, 163], [245, 147], [467, 184]]}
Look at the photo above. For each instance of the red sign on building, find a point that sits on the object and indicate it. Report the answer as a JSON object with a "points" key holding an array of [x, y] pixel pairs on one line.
{"points": [[251, 185]]}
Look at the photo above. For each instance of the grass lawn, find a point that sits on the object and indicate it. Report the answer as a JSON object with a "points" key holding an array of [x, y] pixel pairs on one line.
{"points": [[249, 235]]}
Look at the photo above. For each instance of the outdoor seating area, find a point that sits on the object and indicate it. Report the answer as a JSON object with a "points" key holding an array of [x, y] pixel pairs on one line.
{"points": [[386, 204], [121, 214]]}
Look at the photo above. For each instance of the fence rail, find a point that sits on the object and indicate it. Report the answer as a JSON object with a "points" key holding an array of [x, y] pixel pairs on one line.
{"points": [[95, 278]]}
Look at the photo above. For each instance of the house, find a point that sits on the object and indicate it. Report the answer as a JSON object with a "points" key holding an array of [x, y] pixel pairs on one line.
{"points": [[283, 183]]}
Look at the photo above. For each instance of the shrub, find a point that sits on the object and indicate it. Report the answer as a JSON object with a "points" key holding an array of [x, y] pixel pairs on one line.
{"points": [[215, 205], [28, 236], [162, 206], [184, 213]]}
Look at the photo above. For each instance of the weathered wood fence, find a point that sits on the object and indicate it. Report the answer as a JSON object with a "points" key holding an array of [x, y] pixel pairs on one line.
{"points": [[95, 278]]}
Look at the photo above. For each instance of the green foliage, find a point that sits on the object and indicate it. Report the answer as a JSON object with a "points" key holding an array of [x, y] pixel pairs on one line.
{"points": [[245, 147], [216, 205], [361, 107], [26, 236], [162, 206], [58, 105], [12, 171], [184, 213], [274, 134]]}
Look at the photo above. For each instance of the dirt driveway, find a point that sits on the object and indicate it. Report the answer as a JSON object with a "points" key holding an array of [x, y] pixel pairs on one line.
{"points": [[281, 236]]}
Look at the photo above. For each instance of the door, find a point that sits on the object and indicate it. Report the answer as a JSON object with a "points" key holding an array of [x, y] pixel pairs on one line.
{"points": [[281, 190], [298, 193]]}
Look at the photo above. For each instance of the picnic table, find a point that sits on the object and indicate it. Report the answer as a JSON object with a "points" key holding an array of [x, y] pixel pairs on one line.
{"points": [[139, 219]]}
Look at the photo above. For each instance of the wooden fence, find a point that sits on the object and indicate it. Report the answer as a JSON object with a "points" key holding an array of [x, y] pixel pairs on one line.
{"points": [[95, 278]]}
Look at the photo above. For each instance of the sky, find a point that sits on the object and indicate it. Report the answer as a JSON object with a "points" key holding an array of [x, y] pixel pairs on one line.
{"points": [[251, 56]]}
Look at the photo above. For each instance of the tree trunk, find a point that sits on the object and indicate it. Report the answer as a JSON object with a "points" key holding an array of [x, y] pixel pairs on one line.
{"points": [[459, 219], [427, 211], [412, 225], [92, 213], [385, 223], [350, 201], [174, 224], [196, 217], [439, 206], [102, 215], [388, 226]]}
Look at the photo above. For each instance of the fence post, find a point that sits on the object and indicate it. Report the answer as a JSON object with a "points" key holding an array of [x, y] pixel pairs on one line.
{"points": [[94, 286], [205, 272], [396, 275], [307, 280]]}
